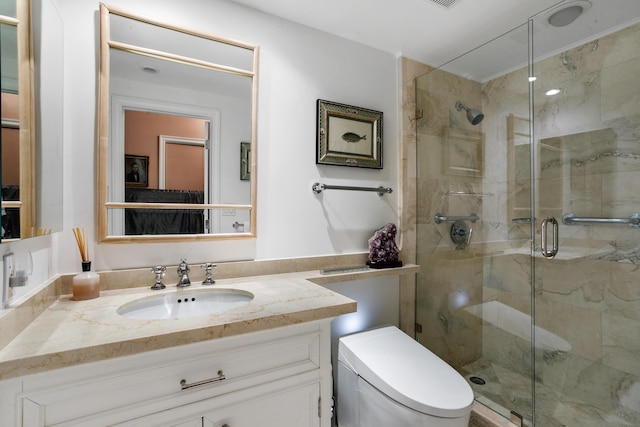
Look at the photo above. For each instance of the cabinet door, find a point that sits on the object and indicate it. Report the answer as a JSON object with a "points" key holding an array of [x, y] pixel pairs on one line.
{"points": [[293, 406], [297, 407], [145, 385]]}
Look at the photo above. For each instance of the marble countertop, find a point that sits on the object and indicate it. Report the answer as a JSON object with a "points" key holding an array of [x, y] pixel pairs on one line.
{"points": [[72, 332]]}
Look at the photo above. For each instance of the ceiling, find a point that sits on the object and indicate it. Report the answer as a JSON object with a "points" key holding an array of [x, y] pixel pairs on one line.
{"points": [[430, 33], [129, 65]]}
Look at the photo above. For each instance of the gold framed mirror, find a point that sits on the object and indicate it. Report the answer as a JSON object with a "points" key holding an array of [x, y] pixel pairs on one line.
{"points": [[18, 144], [174, 107]]}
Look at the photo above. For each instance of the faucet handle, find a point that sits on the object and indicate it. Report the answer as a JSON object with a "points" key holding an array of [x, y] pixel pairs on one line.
{"points": [[183, 267], [208, 268], [158, 270]]}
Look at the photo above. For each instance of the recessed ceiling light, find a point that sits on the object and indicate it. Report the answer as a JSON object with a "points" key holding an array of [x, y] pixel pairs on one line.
{"points": [[447, 4], [567, 13], [551, 92]]}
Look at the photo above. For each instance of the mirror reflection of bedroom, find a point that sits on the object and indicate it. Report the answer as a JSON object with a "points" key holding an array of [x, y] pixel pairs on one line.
{"points": [[177, 113], [165, 162]]}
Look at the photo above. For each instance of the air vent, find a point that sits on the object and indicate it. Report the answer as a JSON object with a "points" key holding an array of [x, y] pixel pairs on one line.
{"points": [[447, 4]]}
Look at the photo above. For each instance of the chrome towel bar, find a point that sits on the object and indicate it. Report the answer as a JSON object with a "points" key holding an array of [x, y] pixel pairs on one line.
{"points": [[521, 220], [318, 188], [438, 218], [571, 219]]}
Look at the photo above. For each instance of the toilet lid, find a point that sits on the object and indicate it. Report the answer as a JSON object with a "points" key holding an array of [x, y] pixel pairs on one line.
{"points": [[407, 372]]}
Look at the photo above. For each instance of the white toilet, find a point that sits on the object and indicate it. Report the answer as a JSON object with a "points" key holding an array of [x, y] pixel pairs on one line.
{"points": [[387, 379]]}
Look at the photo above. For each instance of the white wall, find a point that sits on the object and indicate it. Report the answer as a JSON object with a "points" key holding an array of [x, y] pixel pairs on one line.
{"points": [[298, 65], [49, 126]]}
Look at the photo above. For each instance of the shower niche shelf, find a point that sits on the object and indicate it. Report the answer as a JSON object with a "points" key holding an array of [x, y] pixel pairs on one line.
{"points": [[549, 166], [463, 152]]}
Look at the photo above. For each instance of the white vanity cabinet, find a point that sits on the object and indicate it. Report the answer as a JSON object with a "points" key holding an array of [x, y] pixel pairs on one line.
{"points": [[289, 407], [278, 377]]}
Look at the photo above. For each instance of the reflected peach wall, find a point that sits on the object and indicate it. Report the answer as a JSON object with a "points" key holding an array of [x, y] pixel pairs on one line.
{"points": [[142, 130], [10, 141]]}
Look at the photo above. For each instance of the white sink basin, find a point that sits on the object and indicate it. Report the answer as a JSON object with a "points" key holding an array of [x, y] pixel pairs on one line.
{"points": [[185, 303]]}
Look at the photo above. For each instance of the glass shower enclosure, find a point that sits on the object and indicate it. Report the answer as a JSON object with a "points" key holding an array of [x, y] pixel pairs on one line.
{"points": [[529, 220]]}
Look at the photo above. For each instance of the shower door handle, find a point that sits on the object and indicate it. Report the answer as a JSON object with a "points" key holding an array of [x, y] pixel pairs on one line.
{"points": [[543, 237]]}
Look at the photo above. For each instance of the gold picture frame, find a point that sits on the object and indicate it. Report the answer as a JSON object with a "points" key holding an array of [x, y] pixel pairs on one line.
{"points": [[348, 136], [140, 176]]}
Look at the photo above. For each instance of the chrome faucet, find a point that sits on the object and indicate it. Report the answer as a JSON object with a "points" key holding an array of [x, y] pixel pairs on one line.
{"points": [[159, 272], [183, 274]]}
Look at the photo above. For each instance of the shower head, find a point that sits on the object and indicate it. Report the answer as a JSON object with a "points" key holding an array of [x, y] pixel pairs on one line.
{"points": [[474, 116]]}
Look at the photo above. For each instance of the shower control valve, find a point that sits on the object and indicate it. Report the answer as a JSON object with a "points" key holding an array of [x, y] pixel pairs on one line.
{"points": [[460, 233]]}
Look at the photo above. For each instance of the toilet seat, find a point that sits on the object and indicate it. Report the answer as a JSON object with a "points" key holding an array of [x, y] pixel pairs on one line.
{"points": [[407, 372]]}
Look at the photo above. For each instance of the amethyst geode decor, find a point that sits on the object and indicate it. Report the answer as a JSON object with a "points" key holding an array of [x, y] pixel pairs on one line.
{"points": [[383, 252]]}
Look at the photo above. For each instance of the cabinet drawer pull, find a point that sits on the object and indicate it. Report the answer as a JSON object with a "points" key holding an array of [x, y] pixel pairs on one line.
{"points": [[220, 377]]}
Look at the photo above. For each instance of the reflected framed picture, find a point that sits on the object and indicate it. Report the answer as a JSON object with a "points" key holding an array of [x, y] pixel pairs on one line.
{"points": [[348, 135], [136, 169], [245, 161]]}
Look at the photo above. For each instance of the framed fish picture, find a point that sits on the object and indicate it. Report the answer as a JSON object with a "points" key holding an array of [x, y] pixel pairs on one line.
{"points": [[348, 136]]}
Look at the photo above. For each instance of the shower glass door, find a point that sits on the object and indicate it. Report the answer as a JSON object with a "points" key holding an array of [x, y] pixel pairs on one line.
{"points": [[474, 301], [586, 110], [552, 339]]}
